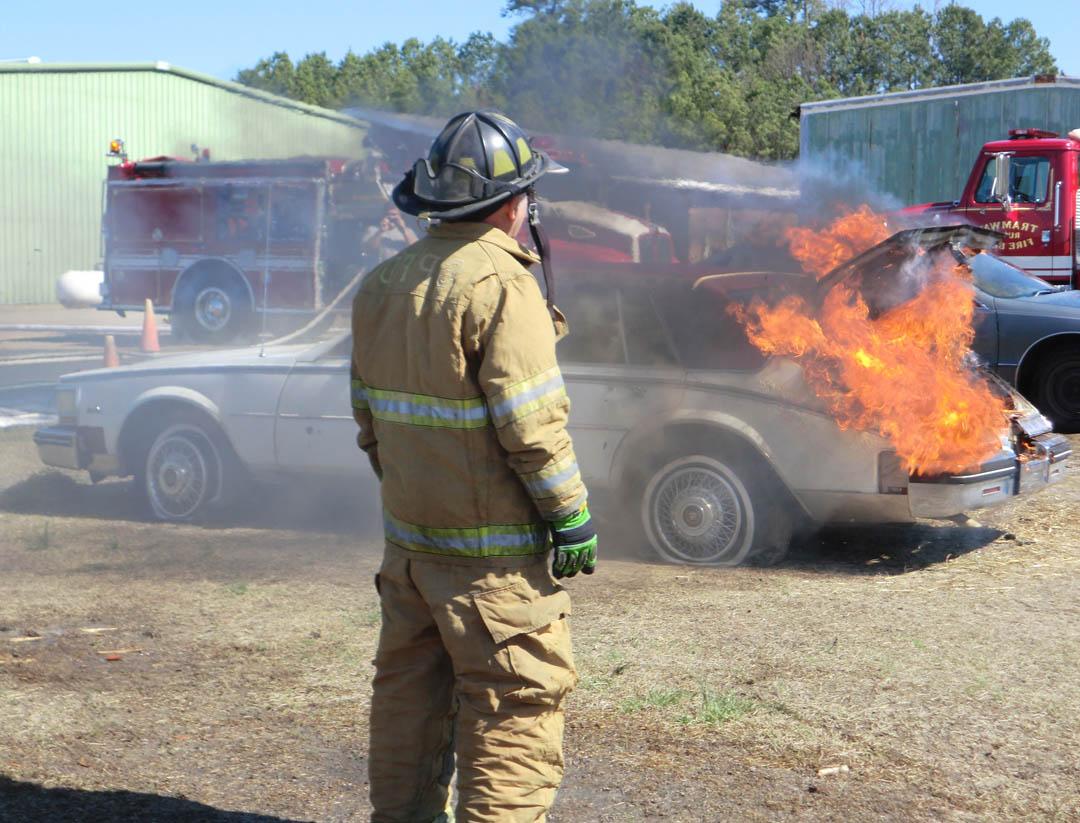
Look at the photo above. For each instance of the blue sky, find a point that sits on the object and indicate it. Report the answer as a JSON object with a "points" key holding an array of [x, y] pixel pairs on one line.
{"points": [[224, 36]]}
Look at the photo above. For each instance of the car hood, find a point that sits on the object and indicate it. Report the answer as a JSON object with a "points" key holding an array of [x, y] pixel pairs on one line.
{"points": [[254, 357], [1063, 303], [903, 244]]}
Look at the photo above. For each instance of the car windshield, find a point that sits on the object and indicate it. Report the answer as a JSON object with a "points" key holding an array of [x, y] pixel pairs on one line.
{"points": [[1000, 279]]}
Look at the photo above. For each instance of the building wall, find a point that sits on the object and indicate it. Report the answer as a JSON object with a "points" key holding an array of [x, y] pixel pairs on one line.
{"points": [[55, 126], [920, 147]]}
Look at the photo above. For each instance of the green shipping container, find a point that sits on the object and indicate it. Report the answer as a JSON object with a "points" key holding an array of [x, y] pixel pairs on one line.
{"points": [[919, 146], [56, 122]]}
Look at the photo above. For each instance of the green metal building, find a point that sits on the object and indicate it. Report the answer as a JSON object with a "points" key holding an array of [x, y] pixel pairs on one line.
{"points": [[919, 146], [56, 121]]}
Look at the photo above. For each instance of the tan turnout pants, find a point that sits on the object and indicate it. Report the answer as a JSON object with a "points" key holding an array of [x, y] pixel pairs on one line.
{"points": [[474, 659]]}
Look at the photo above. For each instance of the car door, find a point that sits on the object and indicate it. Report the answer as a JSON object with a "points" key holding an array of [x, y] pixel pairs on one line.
{"points": [[619, 370], [315, 431]]}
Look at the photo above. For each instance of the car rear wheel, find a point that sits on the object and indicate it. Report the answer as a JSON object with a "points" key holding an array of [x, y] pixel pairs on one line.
{"points": [[182, 473], [1058, 390], [713, 511], [212, 306]]}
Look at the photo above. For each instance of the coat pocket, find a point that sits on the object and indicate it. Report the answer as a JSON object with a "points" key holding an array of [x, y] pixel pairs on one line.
{"points": [[531, 627]]}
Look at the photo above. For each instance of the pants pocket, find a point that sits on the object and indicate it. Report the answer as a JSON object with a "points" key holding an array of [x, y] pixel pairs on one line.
{"points": [[530, 632]]}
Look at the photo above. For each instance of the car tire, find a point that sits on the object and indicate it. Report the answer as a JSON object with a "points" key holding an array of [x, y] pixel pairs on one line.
{"points": [[184, 468], [212, 306], [715, 510], [1058, 390]]}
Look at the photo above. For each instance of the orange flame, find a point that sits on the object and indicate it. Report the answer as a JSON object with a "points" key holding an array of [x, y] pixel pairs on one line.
{"points": [[901, 374], [821, 252]]}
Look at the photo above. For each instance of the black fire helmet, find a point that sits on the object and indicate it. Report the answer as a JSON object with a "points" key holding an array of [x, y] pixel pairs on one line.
{"points": [[480, 159]]}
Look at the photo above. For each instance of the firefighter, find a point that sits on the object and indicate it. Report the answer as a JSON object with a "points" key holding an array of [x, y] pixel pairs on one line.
{"points": [[462, 413], [389, 237]]}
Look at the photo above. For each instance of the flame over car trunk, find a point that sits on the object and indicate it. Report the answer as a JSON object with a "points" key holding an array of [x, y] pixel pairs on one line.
{"points": [[901, 372]]}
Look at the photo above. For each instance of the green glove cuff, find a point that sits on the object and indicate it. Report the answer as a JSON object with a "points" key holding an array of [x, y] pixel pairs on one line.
{"points": [[573, 521]]}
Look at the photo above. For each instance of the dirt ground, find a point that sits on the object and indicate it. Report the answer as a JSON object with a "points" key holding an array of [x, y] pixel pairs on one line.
{"points": [[161, 673]]}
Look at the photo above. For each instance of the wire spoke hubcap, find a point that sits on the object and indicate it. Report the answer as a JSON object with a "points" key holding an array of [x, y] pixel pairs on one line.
{"points": [[179, 477], [697, 512]]}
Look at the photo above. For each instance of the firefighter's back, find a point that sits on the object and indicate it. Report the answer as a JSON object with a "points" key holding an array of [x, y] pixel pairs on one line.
{"points": [[415, 350]]}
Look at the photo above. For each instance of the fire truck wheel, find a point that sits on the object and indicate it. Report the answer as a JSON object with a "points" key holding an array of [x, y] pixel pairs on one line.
{"points": [[184, 467], [212, 306], [714, 510], [1058, 390]]}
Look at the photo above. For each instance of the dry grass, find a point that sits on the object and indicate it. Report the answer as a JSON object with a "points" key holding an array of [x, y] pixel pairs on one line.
{"points": [[938, 664]]}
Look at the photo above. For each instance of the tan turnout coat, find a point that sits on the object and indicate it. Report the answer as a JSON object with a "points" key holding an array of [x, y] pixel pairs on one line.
{"points": [[459, 397]]}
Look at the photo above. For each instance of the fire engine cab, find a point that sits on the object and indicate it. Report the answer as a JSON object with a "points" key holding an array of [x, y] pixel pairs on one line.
{"points": [[1028, 189], [220, 246]]}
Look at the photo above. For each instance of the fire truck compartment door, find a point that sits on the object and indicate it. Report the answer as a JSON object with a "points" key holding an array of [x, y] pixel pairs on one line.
{"points": [[315, 431]]}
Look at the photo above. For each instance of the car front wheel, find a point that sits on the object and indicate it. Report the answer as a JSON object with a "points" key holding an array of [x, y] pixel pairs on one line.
{"points": [[705, 510], [1059, 391], [182, 473]]}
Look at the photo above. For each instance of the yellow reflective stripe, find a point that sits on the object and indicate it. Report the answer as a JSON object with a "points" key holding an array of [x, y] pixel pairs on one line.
{"points": [[524, 152], [553, 480], [474, 541], [502, 163], [359, 396], [526, 397], [422, 409]]}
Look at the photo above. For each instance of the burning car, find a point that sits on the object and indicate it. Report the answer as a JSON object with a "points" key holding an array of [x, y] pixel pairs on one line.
{"points": [[720, 445]]}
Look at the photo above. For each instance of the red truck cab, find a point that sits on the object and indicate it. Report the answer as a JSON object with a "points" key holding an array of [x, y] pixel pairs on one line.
{"points": [[1038, 211]]}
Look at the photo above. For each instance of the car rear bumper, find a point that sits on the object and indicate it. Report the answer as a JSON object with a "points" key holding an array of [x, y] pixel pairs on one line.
{"points": [[998, 480]]}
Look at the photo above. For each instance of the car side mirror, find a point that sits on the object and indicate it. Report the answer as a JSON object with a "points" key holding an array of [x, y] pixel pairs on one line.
{"points": [[1000, 190]]}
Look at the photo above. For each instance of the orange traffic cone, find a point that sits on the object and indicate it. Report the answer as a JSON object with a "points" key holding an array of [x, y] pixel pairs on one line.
{"points": [[112, 359], [149, 342]]}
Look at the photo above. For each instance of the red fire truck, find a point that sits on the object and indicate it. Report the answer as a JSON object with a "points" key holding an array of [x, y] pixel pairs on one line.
{"points": [[220, 246], [1027, 188]]}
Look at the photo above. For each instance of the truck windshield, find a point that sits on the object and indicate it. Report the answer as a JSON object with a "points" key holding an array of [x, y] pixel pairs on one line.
{"points": [[999, 279], [1028, 178]]}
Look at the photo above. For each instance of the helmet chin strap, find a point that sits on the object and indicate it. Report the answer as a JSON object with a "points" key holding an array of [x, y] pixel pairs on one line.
{"points": [[540, 240]]}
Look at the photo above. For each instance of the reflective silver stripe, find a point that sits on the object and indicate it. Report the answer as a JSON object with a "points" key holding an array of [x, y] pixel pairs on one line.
{"points": [[547, 482], [477, 541], [528, 396], [359, 396], [424, 409]]}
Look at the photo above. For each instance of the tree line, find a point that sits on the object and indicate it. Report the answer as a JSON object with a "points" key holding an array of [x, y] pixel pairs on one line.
{"points": [[673, 76]]}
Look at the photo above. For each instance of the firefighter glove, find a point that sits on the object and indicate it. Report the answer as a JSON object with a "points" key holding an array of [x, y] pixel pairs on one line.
{"points": [[574, 541]]}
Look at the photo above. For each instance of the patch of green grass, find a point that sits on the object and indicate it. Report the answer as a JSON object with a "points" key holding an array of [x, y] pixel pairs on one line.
{"points": [[40, 541], [236, 588], [594, 682], [654, 699], [113, 545], [716, 707]]}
